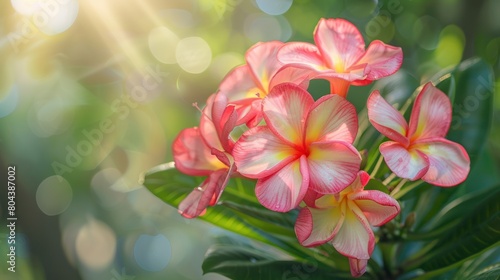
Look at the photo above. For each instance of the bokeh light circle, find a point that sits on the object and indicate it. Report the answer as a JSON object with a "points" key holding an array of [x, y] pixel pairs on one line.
{"points": [[54, 195], [95, 245], [262, 28], [162, 44], [50, 17], [193, 55], [9, 102], [152, 253], [274, 7]]}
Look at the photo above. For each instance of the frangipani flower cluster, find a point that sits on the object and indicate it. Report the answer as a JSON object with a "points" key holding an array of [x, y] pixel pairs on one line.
{"points": [[301, 152]]}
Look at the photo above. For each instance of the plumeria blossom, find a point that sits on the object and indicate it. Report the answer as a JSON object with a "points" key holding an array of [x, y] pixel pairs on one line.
{"points": [[304, 145], [206, 151], [419, 150], [343, 219], [247, 85], [339, 56]]}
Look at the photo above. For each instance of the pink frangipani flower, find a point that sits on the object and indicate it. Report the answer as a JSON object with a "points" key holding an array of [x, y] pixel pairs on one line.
{"points": [[339, 56], [246, 85], [304, 145], [419, 150], [206, 151], [343, 219]]}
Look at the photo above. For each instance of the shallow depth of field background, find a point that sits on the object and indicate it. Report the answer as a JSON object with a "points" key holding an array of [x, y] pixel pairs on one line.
{"points": [[93, 92]]}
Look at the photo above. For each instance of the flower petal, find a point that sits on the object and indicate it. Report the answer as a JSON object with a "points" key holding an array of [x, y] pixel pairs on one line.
{"points": [[406, 164], [333, 166], [259, 153], [317, 226], [449, 163], [360, 182], [339, 42], [192, 155], [431, 114], [355, 238], [208, 129], [332, 118], [358, 267], [285, 110], [206, 194], [302, 55], [239, 84], [380, 60], [386, 119], [263, 62], [287, 74], [283, 191], [377, 207]]}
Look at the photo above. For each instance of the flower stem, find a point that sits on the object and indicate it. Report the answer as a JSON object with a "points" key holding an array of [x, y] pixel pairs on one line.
{"points": [[377, 167], [399, 194], [389, 179], [398, 187]]}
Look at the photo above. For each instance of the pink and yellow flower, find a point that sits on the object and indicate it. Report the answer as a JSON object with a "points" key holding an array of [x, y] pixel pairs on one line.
{"points": [[419, 150], [339, 56], [344, 219], [206, 151], [305, 145], [247, 85]]}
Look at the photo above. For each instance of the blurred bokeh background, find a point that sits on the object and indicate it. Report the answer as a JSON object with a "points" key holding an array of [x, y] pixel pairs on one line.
{"points": [[93, 92]]}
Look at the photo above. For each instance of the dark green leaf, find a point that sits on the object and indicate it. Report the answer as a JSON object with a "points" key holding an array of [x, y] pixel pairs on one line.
{"points": [[376, 185], [250, 263], [477, 232], [472, 106], [489, 273]]}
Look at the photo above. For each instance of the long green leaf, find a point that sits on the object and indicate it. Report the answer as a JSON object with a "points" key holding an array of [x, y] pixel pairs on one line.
{"points": [[477, 232], [472, 106], [250, 263], [171, 186], [489, 273]]}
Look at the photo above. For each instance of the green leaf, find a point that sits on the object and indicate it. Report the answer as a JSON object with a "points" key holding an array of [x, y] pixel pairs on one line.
{"points": [[489, 273], [374, 184], [237, 262], [237, 211], [472, 106], [477, 232], [171, 186]]}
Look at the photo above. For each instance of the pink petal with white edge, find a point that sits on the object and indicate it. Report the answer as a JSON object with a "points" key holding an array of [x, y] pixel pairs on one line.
{"points": [[192, 156], [380, 60], [317, 226], [205, 195], [378, 207], [358, 267], [302, 55], [283, 191], [355, 238], [285, 110], [431, 114], [263, 62], [332, 118], [449, 163], [332, 166], [386, 119], [406, 164], [259, 153], [339, 42]]}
